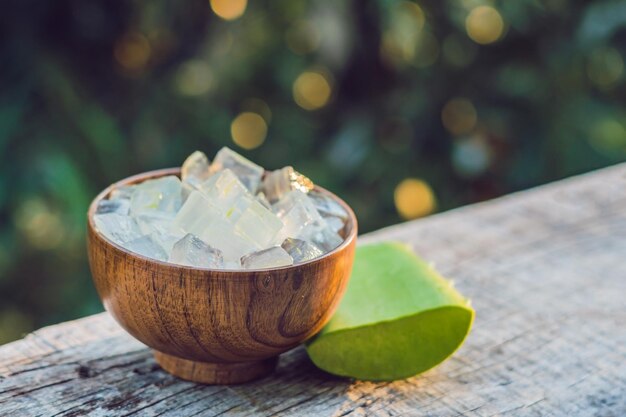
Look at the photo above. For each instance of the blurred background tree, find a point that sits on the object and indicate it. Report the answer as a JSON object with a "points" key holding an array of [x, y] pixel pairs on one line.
{"points": [[403, 108]]}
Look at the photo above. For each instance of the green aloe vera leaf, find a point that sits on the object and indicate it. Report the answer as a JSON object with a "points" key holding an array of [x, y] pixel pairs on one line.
{"points": [[398, 318]]}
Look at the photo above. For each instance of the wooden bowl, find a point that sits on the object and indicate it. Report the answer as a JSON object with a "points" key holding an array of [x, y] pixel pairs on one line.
{"points": [[217, 326]]}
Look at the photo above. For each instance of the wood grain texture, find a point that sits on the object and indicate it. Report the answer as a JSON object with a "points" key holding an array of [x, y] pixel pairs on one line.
{"points": [[545, 270], [230, 323]]}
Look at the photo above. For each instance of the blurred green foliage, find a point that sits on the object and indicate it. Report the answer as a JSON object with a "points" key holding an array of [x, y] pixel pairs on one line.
{"points": [[475, 102]]}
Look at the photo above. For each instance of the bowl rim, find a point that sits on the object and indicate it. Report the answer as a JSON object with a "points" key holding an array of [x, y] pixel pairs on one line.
{"points": [[154, 174]]}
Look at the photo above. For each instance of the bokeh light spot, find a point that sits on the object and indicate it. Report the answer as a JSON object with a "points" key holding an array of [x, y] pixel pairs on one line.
{"points": [[459, 116], [248, 130], [194, 78], [414, 198], [41, 227], [407, 18], [608, 137], [405, 41], [229, 9], [484, 25], [132, 51], [471, 156], [407, 24], [605, 66], [312, 90]]}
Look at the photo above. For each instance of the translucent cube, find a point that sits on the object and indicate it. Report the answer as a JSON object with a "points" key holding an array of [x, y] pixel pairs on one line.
{"points": [[195, 215], [260, 197], [280, 182], [227, 194], [247, 171], [146, 246], [297, 213], [117, 228], [267, 258], [321, 236], [192, 251], [195, 169], [221, 234], [293, 199], [335, 224], [159, 226], [123, 192], [158, 221], [300, 250], [166, 240], [119, 206], [259, 225], [162, 194], [230, 221], [327, 206]]}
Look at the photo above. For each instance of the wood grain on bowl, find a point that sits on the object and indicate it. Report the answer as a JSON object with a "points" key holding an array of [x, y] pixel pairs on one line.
{"points": [[217, 326]]}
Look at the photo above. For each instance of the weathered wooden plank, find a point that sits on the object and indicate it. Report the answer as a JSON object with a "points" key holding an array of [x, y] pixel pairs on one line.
{"points": [[545, 270]]}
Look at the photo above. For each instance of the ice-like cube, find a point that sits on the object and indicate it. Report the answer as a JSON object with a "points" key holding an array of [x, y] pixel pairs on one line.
{"points": [[157, 221], [192, 251], [195, 215], [327, 206], [267, 258], [227, 194], [146, 246], [260, 197], [335, 224], [297, 213], [195, 169], [293, 199], [159, 226], [280, 182], [333, 213], [300, 250], [247, 171], [166, 240], [122, 192], [186, 191], [119, 206], [221, 235], [294, 222], [116, 227], [259, 225], [201, 216], [162, 194], [322, 237]]}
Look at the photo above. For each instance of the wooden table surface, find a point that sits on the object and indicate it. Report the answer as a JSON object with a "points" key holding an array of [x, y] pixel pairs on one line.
{"points": [[546, 272]]}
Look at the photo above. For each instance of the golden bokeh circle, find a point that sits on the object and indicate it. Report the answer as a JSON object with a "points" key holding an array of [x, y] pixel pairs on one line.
{"points": [[312, 90], [248, 130], [229, 9], [414, 198], [484, 25]]}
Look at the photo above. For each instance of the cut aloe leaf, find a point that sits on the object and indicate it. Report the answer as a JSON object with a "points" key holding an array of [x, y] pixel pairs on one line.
{"points": [[398, 318]]}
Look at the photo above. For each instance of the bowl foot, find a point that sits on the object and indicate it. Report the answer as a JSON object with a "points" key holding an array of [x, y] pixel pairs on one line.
{"points": [[215, 373]]}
